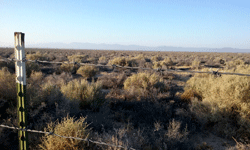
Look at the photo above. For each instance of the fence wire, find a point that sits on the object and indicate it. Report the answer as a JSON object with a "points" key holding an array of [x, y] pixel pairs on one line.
{"points": [[127, 67], [53, 134], [101, 65]]}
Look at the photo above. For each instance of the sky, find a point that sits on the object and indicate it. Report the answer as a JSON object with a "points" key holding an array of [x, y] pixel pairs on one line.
{"points": [[178, 23]]}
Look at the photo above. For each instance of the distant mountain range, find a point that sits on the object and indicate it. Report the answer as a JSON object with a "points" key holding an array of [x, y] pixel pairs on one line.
{"points": [[133, 47]]}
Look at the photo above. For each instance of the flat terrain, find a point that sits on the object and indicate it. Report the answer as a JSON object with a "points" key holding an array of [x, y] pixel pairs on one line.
{"points": [[157, 115]]}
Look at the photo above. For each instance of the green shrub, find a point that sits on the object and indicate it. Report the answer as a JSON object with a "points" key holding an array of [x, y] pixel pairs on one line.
{"points": [[67, 127], [87, 71], [88, 94]]}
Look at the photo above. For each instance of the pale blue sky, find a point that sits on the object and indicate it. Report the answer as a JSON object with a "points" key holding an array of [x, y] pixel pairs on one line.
{"points": [[181, 23]]}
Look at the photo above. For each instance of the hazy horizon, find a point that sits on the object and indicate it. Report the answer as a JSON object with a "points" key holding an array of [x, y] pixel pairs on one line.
{"points": [[103, 46], [214, 24]]}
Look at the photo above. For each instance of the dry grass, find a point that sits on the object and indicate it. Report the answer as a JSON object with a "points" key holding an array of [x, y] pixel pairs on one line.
{"points": [[67, 127]]}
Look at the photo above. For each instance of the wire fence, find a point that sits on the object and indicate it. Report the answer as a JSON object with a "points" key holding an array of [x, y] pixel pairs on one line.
{"points": [[101, 65], [66, 137], [127, 67]]}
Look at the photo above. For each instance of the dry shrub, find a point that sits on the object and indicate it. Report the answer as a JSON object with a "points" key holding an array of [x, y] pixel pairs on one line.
{"points": [[92, 60], [225, 103], [103, 60], [143, 83], [34, 82], [69, 68], [156, 58], [7, 86], [88, 94], [164, 63], [189, 94], [120, 137], [196, 64], [234, 63], [10, 65], [157, 64], [78, 58], [174, 138], [30, 66], [59, 80], [46, 93], [167, 62], [174, 133], [204, 146], [67, 127], [239, 146], [122, 61], [112, 80], [87, 71], [37, 56]]}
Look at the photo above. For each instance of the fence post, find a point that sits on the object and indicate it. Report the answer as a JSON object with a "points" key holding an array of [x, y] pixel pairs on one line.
{"points": [[21, 89]]}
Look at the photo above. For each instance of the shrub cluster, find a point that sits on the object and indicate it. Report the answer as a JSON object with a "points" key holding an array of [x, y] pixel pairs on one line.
{"points": [[102, 60], [225, 102], [142, 84], [89, 95], [68, 68], [122, 61], [7, 86], [87, 71], [78, 58], [37, 56], [67, 127]]}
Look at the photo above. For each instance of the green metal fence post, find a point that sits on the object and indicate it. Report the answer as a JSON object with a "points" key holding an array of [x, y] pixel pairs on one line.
{"points": [[21, 89]]}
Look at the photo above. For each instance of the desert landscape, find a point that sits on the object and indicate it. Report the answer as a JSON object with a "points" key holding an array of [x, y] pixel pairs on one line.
{"points": [[135, 108]]}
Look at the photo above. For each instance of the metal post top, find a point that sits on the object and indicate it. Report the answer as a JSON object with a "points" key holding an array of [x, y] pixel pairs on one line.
{"points": [[18, 33]]}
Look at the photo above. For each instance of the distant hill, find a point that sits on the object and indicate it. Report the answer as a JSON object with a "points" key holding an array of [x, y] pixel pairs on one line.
{"points": [[133, 47]]}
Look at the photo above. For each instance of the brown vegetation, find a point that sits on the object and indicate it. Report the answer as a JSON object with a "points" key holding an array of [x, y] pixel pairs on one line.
{"points": [[132, 108]]}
